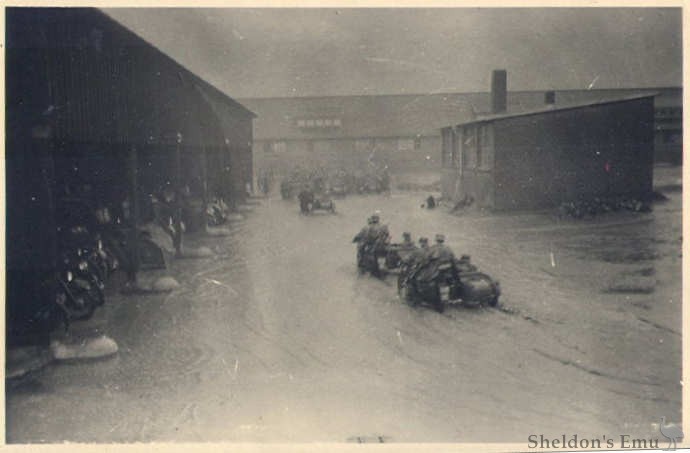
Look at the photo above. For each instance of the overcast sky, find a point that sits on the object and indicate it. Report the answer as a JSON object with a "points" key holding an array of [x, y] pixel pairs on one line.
{"points": [[305, 52]]}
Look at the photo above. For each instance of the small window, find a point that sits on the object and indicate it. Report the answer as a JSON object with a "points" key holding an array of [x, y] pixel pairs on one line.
{"points": [[328, 123], [336, 122], [301, 123], [319, 123], [417, 143], [280, 147], [469, 147], [457, 148], [363, 145], [405, 144], [268, 148], [310, 123]]}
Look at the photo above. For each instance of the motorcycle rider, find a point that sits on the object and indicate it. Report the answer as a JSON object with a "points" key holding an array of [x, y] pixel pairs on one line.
{"points": [[417, 258], [407, 240], [440, 251], [371, 238], [306, 197]]}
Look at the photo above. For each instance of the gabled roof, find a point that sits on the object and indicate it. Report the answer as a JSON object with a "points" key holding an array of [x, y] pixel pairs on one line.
{"points": [[409, 115]]}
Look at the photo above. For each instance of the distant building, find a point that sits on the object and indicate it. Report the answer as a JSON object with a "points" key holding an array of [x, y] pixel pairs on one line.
{"points": [[403, 131], [557, 152]]}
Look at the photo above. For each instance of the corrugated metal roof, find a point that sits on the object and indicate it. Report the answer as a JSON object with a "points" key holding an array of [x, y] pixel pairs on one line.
{"points": [[96, 81], [556, 108]]}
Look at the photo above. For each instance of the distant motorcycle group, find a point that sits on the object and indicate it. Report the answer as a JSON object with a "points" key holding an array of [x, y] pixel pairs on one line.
{"points": [[429, 275], [336, 183]]}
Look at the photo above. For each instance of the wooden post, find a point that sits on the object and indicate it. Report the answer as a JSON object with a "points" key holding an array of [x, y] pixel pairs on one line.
{"points": [[177, 218], [204, 183], [133, 239]]}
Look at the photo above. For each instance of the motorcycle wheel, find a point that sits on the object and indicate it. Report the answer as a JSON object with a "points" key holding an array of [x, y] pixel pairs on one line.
{"points": [[405, 294], [493, 301], [439, 306], [81, 304]]}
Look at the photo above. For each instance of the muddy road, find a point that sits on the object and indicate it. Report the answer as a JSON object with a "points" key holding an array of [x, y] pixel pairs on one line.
{"points": [[278, 339]]}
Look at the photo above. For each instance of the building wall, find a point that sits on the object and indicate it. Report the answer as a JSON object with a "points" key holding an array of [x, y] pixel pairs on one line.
{"points": [[400, 154], [557, 156]]}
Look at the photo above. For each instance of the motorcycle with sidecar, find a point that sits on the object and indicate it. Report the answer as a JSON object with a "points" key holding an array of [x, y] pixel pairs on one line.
{"points": [[440, 284]]}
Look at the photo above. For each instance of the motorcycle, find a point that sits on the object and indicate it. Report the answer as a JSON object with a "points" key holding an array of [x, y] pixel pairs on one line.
{"points": [[216, 212], [371, 255], [449, 283], [79, 291], [323, 203], [308, 203]]}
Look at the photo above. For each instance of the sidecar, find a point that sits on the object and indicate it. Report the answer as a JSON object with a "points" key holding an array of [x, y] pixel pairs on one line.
{"points": [[322, 204], [466, 286]]}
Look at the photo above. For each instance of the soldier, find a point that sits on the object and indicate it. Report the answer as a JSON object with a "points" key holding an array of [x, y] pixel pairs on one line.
{"points": [[407, 240], [417, 258], [441, 252], [306, 198]]}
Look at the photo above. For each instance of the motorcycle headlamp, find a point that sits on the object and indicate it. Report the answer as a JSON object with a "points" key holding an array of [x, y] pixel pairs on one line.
{"points": [[69, 276], [100, 245]]}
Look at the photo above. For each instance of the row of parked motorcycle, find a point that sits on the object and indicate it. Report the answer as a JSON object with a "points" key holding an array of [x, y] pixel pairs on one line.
{"points": [[91, 246], [423, 277], [336, 183]]}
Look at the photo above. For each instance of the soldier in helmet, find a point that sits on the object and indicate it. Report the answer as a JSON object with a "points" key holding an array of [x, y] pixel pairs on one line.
{"points": [[407, 240], [440, 251], [417, 259]]}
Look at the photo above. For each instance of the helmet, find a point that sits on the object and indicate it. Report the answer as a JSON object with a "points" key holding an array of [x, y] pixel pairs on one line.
{"points": [[375, 218], [440, 238], [407, 235], [423, 240]]}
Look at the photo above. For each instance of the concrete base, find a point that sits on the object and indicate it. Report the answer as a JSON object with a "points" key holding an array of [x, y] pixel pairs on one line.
{"points": [[217, 231], [24, 360], [200, 252], [244, 208], [159, 285], [89, 348]]}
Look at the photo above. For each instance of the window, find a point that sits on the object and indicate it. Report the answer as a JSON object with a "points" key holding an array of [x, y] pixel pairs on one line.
{"points": [[446, 150], [280, 147], [457, 148], [469, 147], [268, 148], [405, 144], [364, 145], [318, 122], [417, 142]]}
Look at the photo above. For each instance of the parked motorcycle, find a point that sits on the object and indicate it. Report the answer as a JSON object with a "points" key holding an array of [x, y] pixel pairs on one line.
{"points": [[79, 291], [216, 212]]}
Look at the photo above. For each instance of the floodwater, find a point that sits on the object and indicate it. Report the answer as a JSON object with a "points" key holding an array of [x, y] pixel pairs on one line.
{"points": [[277, 339]]}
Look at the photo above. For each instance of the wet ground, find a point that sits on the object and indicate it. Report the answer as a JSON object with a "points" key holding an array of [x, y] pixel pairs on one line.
{"points": [[278, 339]]}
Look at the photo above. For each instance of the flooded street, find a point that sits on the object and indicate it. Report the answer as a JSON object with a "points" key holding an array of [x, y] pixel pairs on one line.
{"points": [[277, 339]]}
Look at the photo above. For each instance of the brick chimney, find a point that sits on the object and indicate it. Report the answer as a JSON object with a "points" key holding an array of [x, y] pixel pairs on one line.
{"points": [[499, 91]]}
